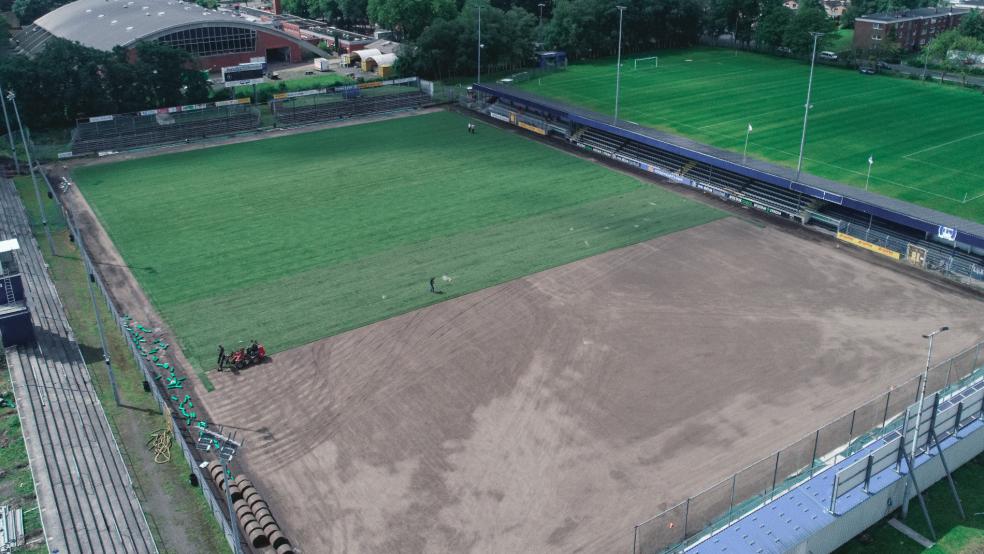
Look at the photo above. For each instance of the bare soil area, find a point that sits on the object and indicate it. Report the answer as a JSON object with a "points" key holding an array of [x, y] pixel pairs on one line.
{"points": [[552, 413]]}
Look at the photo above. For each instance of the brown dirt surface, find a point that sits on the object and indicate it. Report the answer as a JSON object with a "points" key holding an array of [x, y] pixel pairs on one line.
{"points": [[554, 412]]}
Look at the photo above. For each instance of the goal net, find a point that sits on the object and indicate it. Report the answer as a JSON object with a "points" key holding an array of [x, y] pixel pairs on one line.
{"points": [[645, 63]]}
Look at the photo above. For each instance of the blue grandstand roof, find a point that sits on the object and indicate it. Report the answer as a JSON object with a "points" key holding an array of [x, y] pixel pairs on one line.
{"points": [[905, 213]]}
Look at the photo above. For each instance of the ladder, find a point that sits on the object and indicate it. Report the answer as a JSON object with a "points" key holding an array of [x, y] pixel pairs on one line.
{"points": [[8, 288]]}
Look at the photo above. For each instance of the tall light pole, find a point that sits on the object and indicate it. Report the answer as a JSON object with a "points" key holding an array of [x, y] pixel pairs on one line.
{"points": [[618, 66], [922, 385], [919, 410], [871, 161], [479, 78], [30, 165], [744, 153], [806, 107], [541, 5], [10, 134]]}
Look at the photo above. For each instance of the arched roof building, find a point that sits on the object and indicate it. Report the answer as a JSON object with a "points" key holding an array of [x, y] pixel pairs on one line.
{"points": [[217, 37]]}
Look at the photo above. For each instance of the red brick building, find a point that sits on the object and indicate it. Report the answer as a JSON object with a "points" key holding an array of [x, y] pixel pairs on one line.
{"points": [[218, 38], [912, 28]]}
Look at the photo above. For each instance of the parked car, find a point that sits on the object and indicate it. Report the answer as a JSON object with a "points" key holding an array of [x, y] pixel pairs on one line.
{"points": [[884, 65], [784, 50], [866, 70], [828, 55]]}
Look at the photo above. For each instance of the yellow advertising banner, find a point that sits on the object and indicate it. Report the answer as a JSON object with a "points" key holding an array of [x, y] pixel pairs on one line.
{"points": [[533, 128], [869, 246]]}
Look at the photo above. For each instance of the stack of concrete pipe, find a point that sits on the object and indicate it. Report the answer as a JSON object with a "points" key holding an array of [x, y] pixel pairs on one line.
{"points": [[258, 524]]}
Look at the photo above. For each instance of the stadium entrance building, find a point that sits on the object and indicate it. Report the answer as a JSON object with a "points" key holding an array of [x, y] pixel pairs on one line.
{"points": [[218, 38]]}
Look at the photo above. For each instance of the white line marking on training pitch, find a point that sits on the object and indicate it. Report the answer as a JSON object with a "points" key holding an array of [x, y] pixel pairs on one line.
{"points": [[944, 144]]}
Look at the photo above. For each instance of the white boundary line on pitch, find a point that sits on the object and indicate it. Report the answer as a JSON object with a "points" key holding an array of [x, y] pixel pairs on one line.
{"points": [[942, 145]]}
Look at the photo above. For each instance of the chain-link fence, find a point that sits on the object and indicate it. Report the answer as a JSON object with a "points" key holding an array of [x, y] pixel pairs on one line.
{"points": [[184, 434], [725, 502]]}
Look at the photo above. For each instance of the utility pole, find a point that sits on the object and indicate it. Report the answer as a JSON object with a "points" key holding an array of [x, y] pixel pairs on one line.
{"points": [[10, 134], [541, 5], [479, 77], [806, 108], [30, 164], [618, 66]]}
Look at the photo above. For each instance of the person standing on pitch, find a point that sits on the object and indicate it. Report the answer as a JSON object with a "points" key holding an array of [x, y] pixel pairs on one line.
{"points": [[432, 289], [222, 356]]}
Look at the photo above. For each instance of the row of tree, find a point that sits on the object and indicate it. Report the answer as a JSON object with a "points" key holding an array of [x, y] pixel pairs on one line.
{"points": [[441, 38], [67, 81], [779, 27], [957, 48]]}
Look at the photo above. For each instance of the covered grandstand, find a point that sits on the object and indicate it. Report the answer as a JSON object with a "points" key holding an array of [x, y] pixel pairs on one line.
{"points": [[900, 230], [217, 38]]}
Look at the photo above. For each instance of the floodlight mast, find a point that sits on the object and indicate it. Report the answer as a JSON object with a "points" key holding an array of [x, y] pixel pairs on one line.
{"points": [[618, 65], [919, 410], [807, 106], [10, 134], [12, 97]]}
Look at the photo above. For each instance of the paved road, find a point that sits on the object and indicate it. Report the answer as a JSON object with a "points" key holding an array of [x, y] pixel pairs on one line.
{"points": [[85, 494], [935, 75]]}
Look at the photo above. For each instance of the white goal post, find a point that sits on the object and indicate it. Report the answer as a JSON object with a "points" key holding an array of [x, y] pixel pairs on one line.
{"points": [[651, 61]]}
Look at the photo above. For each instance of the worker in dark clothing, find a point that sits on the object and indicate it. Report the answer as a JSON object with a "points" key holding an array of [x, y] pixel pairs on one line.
{"points": [[432, 289], [222, 356]]}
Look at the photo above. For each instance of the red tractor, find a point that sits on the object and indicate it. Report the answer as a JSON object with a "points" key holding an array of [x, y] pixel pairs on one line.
{"points": [[244, 357]]}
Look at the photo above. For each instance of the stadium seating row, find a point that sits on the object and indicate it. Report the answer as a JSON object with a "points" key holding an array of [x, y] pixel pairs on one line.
{"points": [[785, 201], [288, 114], [126, 132]]}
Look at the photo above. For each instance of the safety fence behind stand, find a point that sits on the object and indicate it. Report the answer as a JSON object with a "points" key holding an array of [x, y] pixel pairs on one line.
{"points": [[728, 500], [183, 433]]}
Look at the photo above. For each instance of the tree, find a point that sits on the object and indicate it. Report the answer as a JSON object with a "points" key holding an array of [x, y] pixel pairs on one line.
{"points": [[771, 27], [972, 25], [952, 50], [889, 47], [448, 47], [809, 18], [734, 16], [29, 10], [409, 18], [78, 81], [353, 10]]}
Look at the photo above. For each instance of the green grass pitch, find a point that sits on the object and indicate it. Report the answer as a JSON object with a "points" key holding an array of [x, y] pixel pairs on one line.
{"points": [[927, 140], [293, 239]]}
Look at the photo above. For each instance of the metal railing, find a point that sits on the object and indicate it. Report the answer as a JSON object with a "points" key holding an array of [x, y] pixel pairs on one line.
{"points": [[728, 500]]}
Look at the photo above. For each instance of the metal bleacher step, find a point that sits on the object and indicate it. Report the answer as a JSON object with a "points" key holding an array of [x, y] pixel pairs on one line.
{"points": [[687, 168]]}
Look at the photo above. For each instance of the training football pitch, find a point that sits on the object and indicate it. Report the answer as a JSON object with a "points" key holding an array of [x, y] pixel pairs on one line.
{"points": [[926, 139], [297, 238]]}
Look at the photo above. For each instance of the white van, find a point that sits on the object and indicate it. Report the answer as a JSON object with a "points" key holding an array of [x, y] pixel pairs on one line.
{"points": [[828, 55]]}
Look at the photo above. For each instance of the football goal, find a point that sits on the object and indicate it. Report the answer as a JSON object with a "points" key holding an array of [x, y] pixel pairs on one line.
{"points": [[645, 63]]}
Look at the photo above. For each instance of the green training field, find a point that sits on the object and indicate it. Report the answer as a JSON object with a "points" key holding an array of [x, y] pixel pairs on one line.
{"points": [[293, 239], [927, 140]]}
